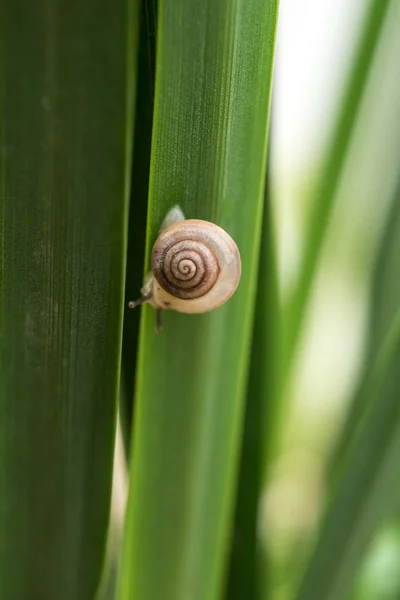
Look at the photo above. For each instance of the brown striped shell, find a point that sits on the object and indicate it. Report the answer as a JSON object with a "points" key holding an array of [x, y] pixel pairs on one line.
{"points": [[196, 267]]}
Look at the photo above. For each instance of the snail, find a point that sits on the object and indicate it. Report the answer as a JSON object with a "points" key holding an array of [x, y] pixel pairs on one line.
{"points": [[196, 267]]}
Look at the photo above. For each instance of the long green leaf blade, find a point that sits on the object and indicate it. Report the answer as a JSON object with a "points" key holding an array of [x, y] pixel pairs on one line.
{"points": [[248, 577], [367, 463], [138, 206], [366, 493], [384, 305], [323, 198], [214, 63], [66, 91]]}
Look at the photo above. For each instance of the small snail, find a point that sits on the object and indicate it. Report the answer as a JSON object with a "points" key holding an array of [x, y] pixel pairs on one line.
{"points": [[195, 267]]}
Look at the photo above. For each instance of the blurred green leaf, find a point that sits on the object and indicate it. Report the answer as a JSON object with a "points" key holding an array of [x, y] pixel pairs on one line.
{"points": [[248, 577], [323, 197], [67, 77], [385, 302], [213, 77], [379, 576], [367, 488], [367, 492]]}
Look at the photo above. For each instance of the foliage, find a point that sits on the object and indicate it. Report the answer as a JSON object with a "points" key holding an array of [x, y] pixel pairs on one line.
{"points": [[110, 114]]}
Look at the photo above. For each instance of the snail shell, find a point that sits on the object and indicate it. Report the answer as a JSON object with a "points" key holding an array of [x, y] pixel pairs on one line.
{"points": [[196, 267]]}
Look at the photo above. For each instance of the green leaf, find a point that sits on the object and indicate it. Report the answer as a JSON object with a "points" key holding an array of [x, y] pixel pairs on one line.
{"points": [[385, 302], [248, 577], [324, 195], [66, 103], [379, 576], [367, 490], [138, 207], [366, 493], [213, 78]]}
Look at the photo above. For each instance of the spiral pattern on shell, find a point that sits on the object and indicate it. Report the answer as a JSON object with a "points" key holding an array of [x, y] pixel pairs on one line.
{"points": [[184, 261]]}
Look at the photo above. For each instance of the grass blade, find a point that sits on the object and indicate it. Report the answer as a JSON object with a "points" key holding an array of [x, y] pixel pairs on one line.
{"points": [[248, 577], [366, 493], [368, 457], [214, 63], [138, 206], [385, 302], [328, 181], [66, 92]]}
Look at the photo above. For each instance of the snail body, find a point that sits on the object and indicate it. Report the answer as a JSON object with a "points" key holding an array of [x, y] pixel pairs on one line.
{"points": [[196, 266]]}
